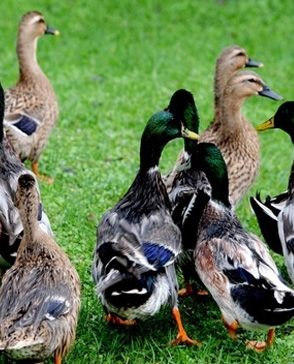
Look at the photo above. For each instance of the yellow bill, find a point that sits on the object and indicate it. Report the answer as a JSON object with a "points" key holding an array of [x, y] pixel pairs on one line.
{"points": [[186, 133], [269, 124]]}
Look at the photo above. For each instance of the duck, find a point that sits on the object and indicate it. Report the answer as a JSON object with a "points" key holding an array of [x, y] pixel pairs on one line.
{"points": [[275, 214], [11, 228], [230, 60], [31, 105], [186, 192], [235, 136], [137, 241], [234, 264], [40, 293]]}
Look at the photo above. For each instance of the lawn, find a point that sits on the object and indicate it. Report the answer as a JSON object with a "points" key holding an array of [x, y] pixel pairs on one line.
{"points": [[114, 64]]}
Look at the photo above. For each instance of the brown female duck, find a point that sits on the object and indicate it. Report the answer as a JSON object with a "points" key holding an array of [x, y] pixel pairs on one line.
{"points": [[228, 63], [31, 105], [40, 293], [233, 133]]}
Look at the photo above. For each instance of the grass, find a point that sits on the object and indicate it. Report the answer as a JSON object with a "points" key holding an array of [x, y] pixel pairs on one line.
{"points": [[114, 65]]}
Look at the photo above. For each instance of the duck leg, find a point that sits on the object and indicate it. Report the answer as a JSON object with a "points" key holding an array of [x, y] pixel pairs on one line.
{"points": [[231, 328], [113, 319], [182, 337], [260, 346], [35, 169], [187, 291], [57, 360]]}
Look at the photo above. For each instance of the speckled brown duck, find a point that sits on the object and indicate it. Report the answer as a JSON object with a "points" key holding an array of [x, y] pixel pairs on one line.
{"points": [[235, 136], [40, 293], [31, 105], [231, 59]]}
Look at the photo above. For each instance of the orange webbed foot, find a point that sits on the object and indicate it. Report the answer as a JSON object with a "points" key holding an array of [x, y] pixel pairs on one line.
{"points": [[182, 337], [113, 319], [260, 346]]}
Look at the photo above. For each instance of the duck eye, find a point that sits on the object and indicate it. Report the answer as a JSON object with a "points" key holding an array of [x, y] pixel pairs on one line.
{"points": [[41, 21], [251, 80], [241, 54]]}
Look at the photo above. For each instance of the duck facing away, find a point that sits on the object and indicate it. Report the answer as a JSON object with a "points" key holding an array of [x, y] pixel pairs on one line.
{"points": [[235, 136], [10, 222], [186, 192], [40, 293], [31, 105], [275, 215], [231, 59], [137, 241], [235, 265]]}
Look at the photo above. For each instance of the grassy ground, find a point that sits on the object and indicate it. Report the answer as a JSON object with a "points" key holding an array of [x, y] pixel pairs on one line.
{"points": [[115, 64]]}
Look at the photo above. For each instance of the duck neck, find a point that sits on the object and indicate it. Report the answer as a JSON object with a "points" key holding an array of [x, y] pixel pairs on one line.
{"points": [[230, 113], [220, 191], [29, 218], [291, 181], [222, 76], [27, 56], [150, 153]]}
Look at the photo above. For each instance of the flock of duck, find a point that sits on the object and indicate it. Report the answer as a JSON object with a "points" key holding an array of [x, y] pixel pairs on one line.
{"points": [[184, 220]]}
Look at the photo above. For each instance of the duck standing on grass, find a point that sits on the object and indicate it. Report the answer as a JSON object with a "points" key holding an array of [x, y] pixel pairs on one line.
{"points": [[11, 228], [228, 63], [235, 265], [276, 215], [186, 195], [31, 105], [137, 241], [235, 136], [40, 293]]}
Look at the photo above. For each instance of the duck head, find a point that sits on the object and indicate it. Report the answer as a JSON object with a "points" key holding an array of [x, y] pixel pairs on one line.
{"points": [[283, 119]]}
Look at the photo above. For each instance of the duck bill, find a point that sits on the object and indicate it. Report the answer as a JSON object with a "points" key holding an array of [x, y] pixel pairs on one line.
{"points": [[267, 92], [269, 124], [186, 133], [52, 31], [251, 63]]}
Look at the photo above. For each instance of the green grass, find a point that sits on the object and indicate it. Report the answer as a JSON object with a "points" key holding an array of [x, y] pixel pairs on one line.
{"points": [[114, 64]]}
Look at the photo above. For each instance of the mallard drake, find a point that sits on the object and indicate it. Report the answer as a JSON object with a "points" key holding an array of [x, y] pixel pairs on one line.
{"points": [[235, 266], [137, 241], [228, 63], [10, 222], [40, 293], [235, 136], [187, 185], [275, 215], [31, 105]]}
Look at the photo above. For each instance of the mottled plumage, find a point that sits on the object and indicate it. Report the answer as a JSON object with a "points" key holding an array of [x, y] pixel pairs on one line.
{"points": [[137, 241], [40, 293], [10, 170], [235, 136], [235, 265], [31, 105], [276, 215], [186, 194]]}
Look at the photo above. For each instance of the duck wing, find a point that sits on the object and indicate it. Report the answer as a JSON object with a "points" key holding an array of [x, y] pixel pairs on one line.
{"points": [[22, 122], [267, 216], [286, 233], [31, 296]]}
